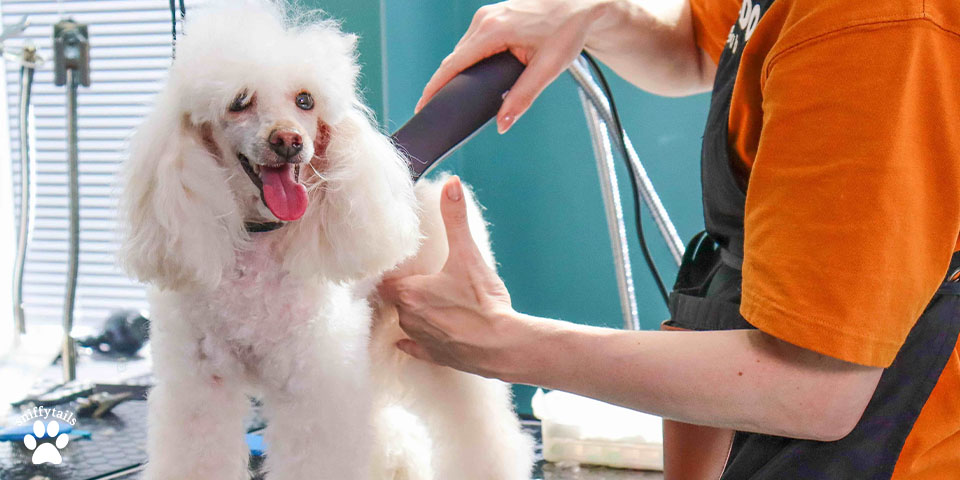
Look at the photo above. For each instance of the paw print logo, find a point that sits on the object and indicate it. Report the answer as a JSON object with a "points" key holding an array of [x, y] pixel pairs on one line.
{"points": [[46, 452]]}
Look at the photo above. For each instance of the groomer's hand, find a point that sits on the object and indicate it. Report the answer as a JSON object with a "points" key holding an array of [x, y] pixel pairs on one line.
{"points": [[460, 317], [546, 35]]}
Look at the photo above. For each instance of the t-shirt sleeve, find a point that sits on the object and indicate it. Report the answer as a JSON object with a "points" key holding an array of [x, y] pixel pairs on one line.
{"points": [[853, 202], [712, 20]]}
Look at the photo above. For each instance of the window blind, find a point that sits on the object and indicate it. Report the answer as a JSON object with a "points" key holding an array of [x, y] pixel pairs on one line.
{"points": [[130, 50]]}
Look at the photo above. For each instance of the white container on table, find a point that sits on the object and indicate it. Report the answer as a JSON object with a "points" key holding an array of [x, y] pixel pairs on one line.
{"points": [[582, 430]]}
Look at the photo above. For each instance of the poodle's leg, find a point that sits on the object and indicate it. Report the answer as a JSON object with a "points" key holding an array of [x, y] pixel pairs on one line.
{"points": [[318, 420], [196, 432], [402, 450], [404, 447], [473, 432], [321, 428], [476, 434], [195, 419]]}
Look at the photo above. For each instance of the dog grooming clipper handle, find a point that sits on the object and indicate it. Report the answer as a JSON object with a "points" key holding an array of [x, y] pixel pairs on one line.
{"points": [[464, 105]]}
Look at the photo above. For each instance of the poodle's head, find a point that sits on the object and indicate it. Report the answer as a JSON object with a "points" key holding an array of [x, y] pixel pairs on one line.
{"points": [[260, 122]]}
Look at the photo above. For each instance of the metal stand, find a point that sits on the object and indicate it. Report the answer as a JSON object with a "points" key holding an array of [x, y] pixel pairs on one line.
{"points": [[71, 68], [28, 62], [600, 120], [606, 168]]}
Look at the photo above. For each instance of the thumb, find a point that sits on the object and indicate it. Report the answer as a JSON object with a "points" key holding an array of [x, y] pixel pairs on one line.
{"points": [[413, 349], [453, 209]]}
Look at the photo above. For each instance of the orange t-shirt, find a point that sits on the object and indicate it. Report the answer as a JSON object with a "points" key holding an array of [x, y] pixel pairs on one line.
{"points": [[846, 115]]}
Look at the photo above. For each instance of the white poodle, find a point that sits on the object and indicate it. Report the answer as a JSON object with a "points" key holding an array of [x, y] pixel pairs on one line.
{"points": [[260, 127]]}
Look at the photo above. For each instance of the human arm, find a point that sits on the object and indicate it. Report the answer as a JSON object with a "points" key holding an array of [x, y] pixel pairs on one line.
{"points": [[738, 379], [745, 380], [651, 44]]}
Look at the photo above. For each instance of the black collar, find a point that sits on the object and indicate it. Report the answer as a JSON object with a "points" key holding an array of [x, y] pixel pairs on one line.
{"points": [[258, 227]]}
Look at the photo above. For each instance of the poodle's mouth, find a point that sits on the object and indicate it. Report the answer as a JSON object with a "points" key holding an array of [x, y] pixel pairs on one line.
{"points": [[280, 187]]}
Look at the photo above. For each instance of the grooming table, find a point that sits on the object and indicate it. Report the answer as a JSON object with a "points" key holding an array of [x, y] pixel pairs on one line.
{"points": [[116, 448]]}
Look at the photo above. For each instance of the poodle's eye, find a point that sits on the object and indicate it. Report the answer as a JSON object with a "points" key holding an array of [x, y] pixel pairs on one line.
{"points": [[305, 101], [241, 102]]}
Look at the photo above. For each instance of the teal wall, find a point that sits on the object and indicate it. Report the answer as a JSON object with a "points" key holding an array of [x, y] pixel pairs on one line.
{"points": [[539, 182], [363, 18]]}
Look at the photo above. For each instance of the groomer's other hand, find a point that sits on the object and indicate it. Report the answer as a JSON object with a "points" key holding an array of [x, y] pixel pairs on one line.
{"points": [[546, 35], [461, 316]]}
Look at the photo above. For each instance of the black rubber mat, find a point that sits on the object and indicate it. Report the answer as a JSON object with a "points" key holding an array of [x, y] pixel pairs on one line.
{"points": [[117, 443]]}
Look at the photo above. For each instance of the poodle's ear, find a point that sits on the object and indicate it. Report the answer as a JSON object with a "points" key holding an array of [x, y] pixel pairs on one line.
{"points": [[181, 221], [363, 216]]}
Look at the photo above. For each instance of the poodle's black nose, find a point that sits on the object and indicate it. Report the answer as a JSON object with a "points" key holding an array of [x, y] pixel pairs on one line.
{"points": [[285, 143]]}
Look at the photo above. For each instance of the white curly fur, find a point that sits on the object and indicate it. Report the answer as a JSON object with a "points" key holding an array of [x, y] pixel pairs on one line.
{"points": [[289, 315]]}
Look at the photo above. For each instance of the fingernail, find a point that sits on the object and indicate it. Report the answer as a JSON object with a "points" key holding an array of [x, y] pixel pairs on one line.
{"points": [[419, 105], [504, 123], [454, 191]]}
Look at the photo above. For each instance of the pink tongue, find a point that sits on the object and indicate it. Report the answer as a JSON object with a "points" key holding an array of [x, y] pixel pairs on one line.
{"points": [[284, 197]]}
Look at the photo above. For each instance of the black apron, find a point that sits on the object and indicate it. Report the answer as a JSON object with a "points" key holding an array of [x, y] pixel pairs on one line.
{"points": [[706, 296]]}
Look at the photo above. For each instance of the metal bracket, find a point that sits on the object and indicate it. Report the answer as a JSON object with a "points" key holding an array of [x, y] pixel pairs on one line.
{"points": [[71, 52]]}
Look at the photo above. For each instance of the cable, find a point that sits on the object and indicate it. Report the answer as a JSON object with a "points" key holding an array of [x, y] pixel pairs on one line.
{"points": [[618, 128], [173, 20], [173, 25]]}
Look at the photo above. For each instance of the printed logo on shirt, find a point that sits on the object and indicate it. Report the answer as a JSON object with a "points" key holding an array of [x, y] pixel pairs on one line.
{"points": [[742, 29]]}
